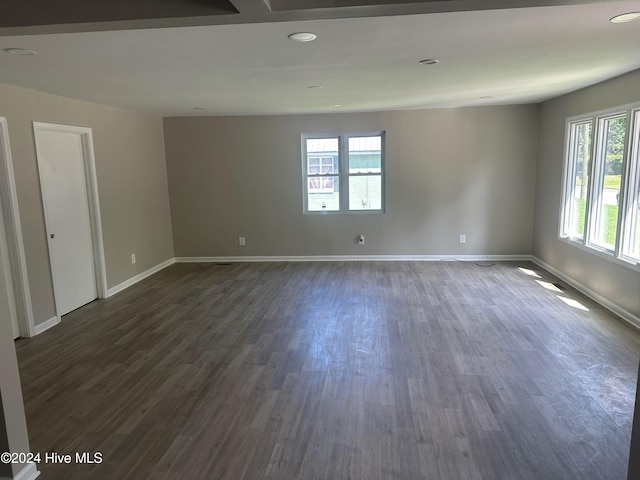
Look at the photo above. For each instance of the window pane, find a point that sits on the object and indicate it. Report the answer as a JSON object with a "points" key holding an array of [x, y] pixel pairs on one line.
{"points": [[365, 154], [577, 180], [323, 194], [365, 192], [608, 194], [322, 184], [328, 147], [582, 163]]}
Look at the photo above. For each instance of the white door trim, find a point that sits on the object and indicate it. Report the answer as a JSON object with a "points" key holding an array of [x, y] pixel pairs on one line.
{"points": [[94, 204], [13, 231]]}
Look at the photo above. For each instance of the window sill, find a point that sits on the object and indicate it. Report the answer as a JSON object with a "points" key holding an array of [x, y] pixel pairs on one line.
{"points": [[622, 261], [351, 212]]}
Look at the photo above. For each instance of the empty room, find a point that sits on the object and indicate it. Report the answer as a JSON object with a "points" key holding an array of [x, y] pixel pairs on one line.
{"points": [[324, 240]]}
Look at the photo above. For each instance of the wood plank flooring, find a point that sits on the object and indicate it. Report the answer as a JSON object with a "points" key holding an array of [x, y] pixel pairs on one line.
{"points": [[332, 371]]}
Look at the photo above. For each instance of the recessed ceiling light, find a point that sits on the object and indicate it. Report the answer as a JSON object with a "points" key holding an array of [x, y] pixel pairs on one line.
{"points": [[303, 37], [428, 61], [338, 105], [314, 86], [199, 108], [20, 51], [625, 17]]}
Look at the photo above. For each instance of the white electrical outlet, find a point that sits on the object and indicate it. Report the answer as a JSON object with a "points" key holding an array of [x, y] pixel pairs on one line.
{"points": [[133, 258], [241, 241], [463, 238], [360, 239]]}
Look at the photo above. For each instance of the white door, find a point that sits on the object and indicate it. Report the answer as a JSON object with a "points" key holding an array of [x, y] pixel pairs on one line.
{"points": [[63, 181], [6, 281]]}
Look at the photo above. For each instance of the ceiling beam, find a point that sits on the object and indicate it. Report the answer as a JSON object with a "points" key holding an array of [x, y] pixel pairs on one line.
{"points": [[260, 11]]}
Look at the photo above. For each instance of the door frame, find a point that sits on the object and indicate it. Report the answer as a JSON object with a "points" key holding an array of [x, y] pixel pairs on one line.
{"points": [[91, 182], [13, 231]]}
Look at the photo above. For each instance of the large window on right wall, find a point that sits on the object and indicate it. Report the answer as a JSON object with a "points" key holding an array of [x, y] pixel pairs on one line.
{"points": [[601, 180]]}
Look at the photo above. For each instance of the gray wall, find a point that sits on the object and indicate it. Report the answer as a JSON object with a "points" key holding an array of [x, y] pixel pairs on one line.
{"points": [[132, 185], [449, 171], [617, 283]]}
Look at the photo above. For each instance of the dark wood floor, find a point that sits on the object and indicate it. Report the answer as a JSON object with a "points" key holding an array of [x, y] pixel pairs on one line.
{"points": [[335, 371]]}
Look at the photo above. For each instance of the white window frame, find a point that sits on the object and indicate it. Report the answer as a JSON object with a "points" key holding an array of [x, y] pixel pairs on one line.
{"points": [[568, 195], [343, 174], [630, 177], [631, 198]]}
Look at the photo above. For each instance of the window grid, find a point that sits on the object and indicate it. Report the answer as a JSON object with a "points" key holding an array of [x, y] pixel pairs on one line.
{"points": [[605, 217]]}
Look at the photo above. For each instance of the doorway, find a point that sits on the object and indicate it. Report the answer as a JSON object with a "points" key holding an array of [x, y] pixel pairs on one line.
{"points": [[68, 184]]}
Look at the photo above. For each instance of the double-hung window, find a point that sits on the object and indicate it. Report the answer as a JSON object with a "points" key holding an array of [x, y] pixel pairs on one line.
{"points": [[343, 172], [601, 194]]}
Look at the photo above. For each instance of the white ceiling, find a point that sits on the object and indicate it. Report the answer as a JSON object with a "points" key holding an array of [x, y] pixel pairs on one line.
{"points": [[518, 55]]}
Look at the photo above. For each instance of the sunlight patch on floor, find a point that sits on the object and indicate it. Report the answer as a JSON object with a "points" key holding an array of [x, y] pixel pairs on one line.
{"points": [[529, 272], [548, 286], [573, 303]]}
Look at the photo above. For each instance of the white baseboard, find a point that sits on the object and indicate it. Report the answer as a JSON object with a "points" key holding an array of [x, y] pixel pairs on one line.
{"points": [[354, 258], [141, 276], [29, 472], [46, 325], [608, 304]]}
